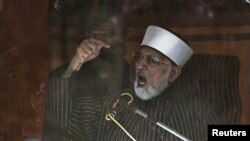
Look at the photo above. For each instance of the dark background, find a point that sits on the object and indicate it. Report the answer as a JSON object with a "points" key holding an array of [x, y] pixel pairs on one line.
{"points": [[35, 38]]}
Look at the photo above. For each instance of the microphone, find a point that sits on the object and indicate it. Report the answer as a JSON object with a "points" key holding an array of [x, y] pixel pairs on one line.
{"points": [[160, 124], [125, 100]]}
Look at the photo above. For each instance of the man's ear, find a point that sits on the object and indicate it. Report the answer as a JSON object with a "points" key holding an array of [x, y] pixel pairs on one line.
{"points": [[174, 74]]}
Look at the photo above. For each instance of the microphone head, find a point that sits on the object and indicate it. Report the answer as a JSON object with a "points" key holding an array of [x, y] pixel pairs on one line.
{"points": [[124, 99], [126, 96]]}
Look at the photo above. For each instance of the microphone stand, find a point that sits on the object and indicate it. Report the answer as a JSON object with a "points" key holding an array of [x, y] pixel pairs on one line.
{"points": [[160, 124], [111, 115], [127, 104]]}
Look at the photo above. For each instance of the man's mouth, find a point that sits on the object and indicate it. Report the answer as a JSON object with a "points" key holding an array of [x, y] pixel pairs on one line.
{"points": [[141, 79]]}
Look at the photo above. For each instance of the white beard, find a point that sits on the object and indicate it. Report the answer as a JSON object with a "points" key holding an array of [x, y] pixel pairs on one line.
{"points": [[153, 90]]}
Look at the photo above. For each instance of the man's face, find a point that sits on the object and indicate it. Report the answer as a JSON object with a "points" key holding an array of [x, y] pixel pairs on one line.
{"points": [[112, 32], [152, 73]]}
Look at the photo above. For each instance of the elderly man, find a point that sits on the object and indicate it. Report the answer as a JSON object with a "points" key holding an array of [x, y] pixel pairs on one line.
{"points": [[158, 110], [159, 61]]}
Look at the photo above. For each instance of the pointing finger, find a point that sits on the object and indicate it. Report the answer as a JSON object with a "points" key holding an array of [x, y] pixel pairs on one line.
{"points": [[100, 43]]}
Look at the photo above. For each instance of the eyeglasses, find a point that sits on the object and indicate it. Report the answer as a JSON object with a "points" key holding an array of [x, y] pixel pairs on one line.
{"points": [[152, 61]]}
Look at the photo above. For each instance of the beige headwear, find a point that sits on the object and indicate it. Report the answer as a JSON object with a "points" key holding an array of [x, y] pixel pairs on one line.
{"points": [[168, 44]]}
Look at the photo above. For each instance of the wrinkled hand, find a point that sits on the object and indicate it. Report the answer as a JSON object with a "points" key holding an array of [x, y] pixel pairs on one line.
{"points": [[88, 50]]}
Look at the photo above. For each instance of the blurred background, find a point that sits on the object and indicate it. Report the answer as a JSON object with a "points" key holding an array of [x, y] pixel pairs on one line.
{"points": [[37, 36]]}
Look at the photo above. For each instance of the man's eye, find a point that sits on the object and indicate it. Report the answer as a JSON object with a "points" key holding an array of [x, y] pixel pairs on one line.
{"points": [[153, 60]]}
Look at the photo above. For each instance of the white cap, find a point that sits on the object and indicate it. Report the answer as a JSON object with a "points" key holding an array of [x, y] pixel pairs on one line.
{"points": [[168, 44]]}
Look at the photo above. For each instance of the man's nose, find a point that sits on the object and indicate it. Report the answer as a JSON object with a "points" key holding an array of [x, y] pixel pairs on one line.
{"points": [[142, 64]]}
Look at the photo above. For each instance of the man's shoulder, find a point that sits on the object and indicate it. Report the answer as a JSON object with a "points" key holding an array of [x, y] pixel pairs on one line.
{"points": [[195, 103], [202, 105], [58, 72]]}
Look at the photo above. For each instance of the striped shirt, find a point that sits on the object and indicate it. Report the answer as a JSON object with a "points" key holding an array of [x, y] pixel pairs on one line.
{"points": [[188, 116], [62, 91]]}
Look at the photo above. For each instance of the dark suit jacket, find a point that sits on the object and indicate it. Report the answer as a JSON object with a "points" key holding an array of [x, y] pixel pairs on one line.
{"points": [[61, 91]]}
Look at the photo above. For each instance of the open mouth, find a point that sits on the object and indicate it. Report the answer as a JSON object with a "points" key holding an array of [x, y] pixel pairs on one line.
{"points": [[141, 79]]}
